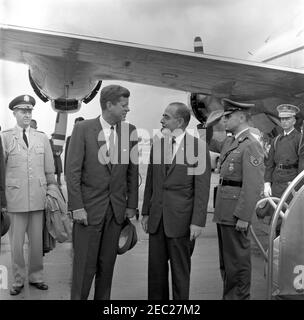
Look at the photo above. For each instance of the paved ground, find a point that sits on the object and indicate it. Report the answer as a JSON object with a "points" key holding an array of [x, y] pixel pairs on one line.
{"points": [[130, 276]]}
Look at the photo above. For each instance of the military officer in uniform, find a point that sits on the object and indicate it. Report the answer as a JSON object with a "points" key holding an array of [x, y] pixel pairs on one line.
{"points": [[240, 187], [29, 170], [286, 155]]}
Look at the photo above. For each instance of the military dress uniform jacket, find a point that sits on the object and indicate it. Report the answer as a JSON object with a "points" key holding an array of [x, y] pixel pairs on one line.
{"points": [[241, 161], [28, 170], [177, 197], [285, 159]]}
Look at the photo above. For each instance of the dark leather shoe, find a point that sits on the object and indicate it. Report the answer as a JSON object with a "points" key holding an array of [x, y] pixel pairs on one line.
{"points": [[39, 285], [15, 290]]}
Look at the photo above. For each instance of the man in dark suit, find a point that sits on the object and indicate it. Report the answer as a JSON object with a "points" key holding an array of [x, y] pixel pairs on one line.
{"points": [[102, 182], [175, 203], [67, 143]]}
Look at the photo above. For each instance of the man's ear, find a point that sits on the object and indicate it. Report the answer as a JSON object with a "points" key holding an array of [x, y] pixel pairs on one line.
{"points": [[181, 122], [108, 105]]}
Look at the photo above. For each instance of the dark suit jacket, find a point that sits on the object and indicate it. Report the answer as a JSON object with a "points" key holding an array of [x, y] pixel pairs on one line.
{"points": [[67, 143], [179, 197], [92, 184]]}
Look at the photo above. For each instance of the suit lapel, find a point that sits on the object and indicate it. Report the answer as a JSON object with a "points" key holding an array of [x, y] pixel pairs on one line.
{"points": [[101, 141], [163, 166]]}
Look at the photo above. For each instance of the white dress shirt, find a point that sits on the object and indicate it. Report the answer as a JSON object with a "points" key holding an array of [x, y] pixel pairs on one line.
{"points": [[27, 132], [106, 127]]}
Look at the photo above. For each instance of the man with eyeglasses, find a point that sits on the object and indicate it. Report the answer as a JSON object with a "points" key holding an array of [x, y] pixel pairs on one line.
{"points": [[240, 186]]}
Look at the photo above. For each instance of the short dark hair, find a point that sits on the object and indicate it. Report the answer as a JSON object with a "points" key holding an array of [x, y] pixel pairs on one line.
{"points": [[182, 111], [78, 119], [112, 93]]}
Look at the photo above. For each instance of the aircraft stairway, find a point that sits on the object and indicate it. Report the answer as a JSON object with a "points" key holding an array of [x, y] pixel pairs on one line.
{"points": [[285, 255]]}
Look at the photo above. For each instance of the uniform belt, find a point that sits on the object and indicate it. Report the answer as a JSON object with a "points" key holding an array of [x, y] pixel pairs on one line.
{"points": [[224, 182], [287, 166]]}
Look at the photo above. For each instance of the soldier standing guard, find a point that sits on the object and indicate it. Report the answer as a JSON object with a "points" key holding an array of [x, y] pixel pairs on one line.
{"points": [[29, 169], [286, 155], [240, 187]]}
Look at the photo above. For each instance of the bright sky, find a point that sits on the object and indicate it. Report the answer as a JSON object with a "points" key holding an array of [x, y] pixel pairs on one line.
{"points": [[228, 28]]}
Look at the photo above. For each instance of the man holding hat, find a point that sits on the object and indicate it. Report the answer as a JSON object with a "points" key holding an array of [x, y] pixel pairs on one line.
{"points": [[286, 155], [102, 181], [29, 169], [240, 186]]}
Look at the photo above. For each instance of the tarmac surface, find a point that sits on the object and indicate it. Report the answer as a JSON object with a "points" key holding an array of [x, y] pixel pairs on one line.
{"points": [[130, 274]]}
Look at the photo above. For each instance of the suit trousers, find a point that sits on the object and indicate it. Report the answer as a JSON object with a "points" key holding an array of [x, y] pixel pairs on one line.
{"points": [[30, 223], [176, 250], [95, 251], [235, 262]]}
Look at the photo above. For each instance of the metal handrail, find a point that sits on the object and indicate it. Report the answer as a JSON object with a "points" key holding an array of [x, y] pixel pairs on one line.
{"points": [[273, 202], [290, 189]]}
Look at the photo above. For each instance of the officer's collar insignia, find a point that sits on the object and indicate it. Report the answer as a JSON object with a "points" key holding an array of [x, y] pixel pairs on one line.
{"points": [[256, 161]]}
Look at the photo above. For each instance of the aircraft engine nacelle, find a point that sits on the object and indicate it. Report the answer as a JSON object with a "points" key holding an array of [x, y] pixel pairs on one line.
{"points": [[198, 106], [66, 105]]}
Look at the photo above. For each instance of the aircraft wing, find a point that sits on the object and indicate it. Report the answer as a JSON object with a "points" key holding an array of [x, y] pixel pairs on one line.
{"points": [[180, 70]]}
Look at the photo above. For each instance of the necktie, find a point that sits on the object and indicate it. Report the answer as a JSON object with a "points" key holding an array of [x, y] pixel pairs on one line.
{"points": [[25, 138], [111, 145], [170, 154]]}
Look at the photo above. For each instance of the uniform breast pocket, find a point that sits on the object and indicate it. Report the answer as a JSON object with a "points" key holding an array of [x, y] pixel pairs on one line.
{"points": [[233, 167], [39, 155]]}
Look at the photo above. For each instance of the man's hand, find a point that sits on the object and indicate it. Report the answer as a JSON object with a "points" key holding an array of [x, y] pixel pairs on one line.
{"points": [[241, 225], [144, 223], [195, 231], [130, 213], [267, 189], [80, 216], [4, 210]]}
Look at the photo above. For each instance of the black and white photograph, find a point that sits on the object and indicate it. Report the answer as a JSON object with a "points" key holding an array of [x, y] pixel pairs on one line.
{"points": [[151, 152]]}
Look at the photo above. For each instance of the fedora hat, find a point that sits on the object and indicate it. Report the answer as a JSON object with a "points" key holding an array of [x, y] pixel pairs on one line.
{"points": [[264, 209], [127, 238], [4, 223]]}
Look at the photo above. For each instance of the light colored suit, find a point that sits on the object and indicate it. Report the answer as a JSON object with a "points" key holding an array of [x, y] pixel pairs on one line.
{"points": [[27, 174]]}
